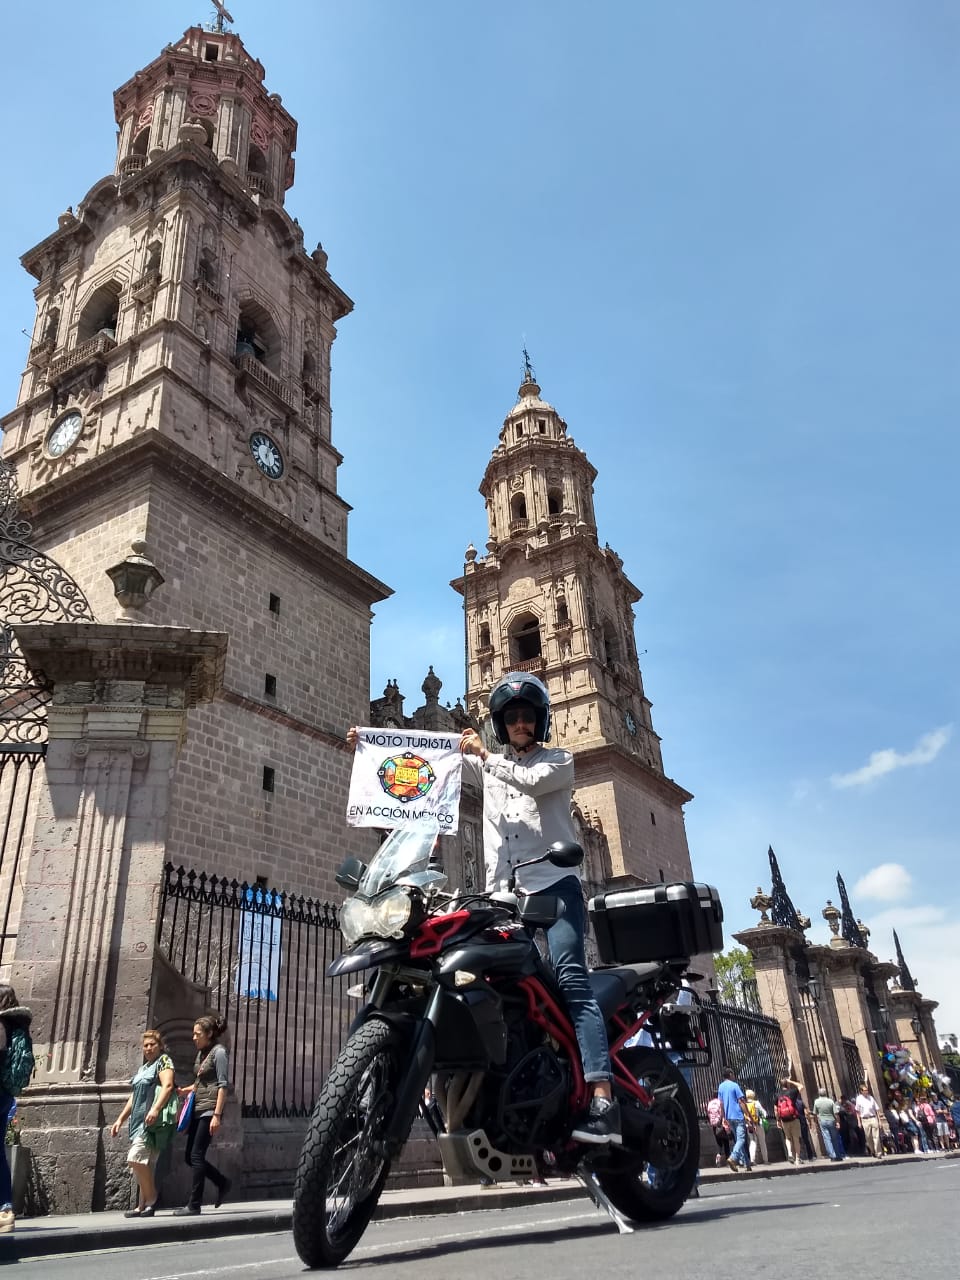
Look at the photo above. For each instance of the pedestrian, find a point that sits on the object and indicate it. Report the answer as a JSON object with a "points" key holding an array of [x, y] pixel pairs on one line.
{"points": [[928, 1120], [851, 1133], [868, 1109], [955, 1118], [828, 1119], [527, 805], [721, 1130], [151, 1089], [757, 1129], [942, 1112], [209, 1089], [736, 1115], [805, 1138], [788, 1120], [16, 1068]]}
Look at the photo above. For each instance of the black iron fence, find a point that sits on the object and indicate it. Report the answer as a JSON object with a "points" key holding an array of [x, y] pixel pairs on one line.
{"points": [[261, 957], [750, 1043]]}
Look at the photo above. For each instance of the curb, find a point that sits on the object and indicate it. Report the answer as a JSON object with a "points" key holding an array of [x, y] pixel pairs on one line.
{"points": [[36, 1240]]}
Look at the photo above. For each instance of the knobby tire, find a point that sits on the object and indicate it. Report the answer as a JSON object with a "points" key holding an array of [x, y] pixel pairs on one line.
{"points": [[343, 1165], [633, 1192]]}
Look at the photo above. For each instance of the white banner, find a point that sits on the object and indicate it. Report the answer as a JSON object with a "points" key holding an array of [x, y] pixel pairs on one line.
{"points": [[402, 775], [258, 974]]}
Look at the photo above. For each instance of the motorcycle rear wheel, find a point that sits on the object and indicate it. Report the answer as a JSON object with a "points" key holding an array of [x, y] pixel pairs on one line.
{"points": [[638, 1195], [343, 1165]]}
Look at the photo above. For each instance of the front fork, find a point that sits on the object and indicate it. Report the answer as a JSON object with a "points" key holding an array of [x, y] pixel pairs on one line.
{"points": [[420, 1055]]}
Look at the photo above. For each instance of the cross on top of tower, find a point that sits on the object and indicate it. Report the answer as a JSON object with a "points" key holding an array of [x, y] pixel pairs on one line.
{"points": [[222, 16]]}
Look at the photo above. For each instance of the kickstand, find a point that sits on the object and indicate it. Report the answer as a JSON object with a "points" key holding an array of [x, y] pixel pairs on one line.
{"points": [[602, 1201]]}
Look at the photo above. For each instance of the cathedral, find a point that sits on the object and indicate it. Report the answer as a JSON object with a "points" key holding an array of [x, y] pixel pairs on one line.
{"points": [[175, 416]]}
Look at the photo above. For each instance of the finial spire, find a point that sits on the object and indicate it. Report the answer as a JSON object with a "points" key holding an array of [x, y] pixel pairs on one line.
{"points": [[783, 912], [528, 373], [848, 926], [906, 977]]}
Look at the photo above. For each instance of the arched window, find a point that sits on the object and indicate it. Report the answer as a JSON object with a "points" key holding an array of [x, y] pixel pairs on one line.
{"points": [[611, 643], [309, 364], [518, 507], [100, 313], [563, 615], [141, 142], [258, 336], [484, 635], [525, 638], [256, 161], [554, 502]]}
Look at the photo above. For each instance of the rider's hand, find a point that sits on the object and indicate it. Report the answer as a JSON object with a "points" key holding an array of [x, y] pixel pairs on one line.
{"points": [[472, 745], [352, 737]]}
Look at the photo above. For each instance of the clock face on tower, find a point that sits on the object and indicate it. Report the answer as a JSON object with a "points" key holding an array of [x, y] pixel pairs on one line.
{"points": [[266, 454], [629, 721], [63, 434]]}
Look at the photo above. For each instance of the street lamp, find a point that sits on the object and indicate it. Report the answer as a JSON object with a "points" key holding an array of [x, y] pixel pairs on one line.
{"points": [[135, 579], [815, 989], [916, 1026]]}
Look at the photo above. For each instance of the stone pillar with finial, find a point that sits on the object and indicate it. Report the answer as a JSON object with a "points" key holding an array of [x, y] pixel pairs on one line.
{"points": [[778, 948]]}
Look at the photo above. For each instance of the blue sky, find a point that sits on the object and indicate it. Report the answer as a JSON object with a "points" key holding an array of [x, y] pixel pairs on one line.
{"points": [[728, 235]]}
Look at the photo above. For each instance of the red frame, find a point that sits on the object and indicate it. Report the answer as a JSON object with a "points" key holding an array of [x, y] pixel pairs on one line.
{"points": [[433, 933]]}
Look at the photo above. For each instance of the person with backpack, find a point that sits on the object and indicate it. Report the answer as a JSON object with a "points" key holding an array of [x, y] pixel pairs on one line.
{"points": [[152, 1113], [788, 1120], [16, 1068]]}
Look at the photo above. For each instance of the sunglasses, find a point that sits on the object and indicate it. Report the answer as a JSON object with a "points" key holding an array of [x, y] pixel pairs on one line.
{"points": [[517, 714]]}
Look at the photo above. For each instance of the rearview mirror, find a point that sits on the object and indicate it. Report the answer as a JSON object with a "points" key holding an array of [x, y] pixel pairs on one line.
{"points": [[565, 853], [350, 873]]}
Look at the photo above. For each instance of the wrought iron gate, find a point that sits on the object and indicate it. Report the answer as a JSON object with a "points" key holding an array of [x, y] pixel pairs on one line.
{"points": [[33, 588], [261, 955]]}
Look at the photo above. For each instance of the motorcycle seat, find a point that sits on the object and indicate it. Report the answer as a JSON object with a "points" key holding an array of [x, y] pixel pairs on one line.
{"points": [[612, 986]]}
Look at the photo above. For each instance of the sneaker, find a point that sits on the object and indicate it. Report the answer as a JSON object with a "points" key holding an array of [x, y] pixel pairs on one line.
{"points": [[7, 1221], [185, 1211], [602, 1125]]}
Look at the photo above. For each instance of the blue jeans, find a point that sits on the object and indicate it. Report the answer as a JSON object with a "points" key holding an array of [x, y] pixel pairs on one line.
{"points": [[565, 943], [828, 1133], [6, 1187], [741, 1152]]}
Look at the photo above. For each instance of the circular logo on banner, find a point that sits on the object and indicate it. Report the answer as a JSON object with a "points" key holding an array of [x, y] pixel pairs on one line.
{"points": [[406, 777]]}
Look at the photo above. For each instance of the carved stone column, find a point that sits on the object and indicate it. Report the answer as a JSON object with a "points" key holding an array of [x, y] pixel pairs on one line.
{"points": [[84, 958], [848, 993], [771, 946]]}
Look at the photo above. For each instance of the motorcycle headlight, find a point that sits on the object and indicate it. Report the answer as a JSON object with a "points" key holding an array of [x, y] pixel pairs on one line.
{"points": [[385, 917]]}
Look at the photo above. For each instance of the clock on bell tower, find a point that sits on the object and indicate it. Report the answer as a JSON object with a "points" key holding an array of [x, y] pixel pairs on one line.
{"points": [[547, 598]]}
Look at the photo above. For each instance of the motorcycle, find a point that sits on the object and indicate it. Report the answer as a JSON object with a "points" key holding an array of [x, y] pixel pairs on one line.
{"points": [[460, 998]]}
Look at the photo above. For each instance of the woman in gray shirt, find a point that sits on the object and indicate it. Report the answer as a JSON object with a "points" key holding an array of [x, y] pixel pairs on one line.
{"points": [[210, 1098]]}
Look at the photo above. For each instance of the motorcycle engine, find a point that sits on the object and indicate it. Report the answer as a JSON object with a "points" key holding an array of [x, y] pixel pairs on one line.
{"points": [[524, 1103]]}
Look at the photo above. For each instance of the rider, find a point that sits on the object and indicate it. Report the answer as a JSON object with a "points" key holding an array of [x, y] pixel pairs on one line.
{"points": [[526, 807]]}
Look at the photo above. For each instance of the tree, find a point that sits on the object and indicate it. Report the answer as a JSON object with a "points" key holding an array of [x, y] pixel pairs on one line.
{"points": [[734, 971]]}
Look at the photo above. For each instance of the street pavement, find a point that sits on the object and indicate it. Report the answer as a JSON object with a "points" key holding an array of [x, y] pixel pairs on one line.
{"points": [[59, 1234]]}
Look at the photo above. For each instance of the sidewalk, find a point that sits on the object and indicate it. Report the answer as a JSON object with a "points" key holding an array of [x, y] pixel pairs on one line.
{"points": [[76, 1233]]}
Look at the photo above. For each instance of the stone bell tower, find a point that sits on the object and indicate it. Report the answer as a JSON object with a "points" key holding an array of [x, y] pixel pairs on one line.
{"points": [[548, 599], [177, 395]]}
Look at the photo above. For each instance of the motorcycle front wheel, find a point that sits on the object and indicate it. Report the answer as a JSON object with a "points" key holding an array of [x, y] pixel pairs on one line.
{"points": [[660, 1189], [343, 1164]]}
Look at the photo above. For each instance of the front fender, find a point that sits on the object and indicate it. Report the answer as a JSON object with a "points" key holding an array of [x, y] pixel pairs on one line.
{"points": [[368, 953]]}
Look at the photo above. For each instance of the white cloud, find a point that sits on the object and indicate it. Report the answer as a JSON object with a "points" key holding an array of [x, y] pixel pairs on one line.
{"points": [[889, 883], [883, 762]]}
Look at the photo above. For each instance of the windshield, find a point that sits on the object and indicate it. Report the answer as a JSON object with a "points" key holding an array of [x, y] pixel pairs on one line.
{"points": [[406, 850]]}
